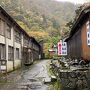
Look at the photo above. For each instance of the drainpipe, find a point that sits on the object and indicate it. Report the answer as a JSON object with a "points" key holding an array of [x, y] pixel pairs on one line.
{"points": [[12, 29], [22, 60], [5, 47]]}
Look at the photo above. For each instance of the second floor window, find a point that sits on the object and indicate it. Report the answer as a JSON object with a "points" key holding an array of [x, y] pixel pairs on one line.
{"points": [[88, 26], [8, 33], [17, 36], [17, 53], [2, 27], [35, 47], [26, 41]]}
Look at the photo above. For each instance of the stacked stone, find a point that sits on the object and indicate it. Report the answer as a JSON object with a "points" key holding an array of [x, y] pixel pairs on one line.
{"points": [[74, 80]]}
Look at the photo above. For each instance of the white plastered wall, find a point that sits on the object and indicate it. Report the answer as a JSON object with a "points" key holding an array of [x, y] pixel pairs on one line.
{"points": [[16, 63]]}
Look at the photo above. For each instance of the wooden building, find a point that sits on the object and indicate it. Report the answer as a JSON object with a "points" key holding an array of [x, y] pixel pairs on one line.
{"points": [[32, 51], [78, 41], [16, 46]]}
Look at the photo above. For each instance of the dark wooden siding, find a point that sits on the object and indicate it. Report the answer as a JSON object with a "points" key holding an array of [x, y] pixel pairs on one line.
{"points": [[35, 54], [75, 46], [86, 48], [77, 41]]}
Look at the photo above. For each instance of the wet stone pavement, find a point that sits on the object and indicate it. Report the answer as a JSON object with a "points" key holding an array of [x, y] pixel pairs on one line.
{"points": [[29, 78]]}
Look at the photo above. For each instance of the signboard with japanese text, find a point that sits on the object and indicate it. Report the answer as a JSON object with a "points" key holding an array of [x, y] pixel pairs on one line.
{"points": [[62, 48], [59, 48]]}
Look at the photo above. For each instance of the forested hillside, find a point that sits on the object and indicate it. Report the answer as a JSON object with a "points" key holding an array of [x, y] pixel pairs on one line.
{"points": [[43, 19]]}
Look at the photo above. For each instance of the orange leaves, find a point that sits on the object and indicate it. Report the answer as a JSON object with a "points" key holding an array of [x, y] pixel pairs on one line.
{"points": [[39, 34]]}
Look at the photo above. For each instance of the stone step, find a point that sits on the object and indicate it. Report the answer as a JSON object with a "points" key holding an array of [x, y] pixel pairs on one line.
{"points": [[47, 80]]}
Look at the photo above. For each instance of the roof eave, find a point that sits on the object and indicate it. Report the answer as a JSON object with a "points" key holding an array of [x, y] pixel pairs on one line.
{"points": [[78, 20]]}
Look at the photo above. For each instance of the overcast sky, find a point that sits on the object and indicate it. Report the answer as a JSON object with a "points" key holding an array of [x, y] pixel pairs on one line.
{"points": [[74, 1]]}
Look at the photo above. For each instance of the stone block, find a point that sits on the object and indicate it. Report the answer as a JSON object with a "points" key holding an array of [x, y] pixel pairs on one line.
{"points": [[47, 80], [53, 79]]}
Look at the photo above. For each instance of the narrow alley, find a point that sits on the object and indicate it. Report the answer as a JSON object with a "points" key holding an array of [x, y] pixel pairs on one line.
{"points": [[31, 78]]}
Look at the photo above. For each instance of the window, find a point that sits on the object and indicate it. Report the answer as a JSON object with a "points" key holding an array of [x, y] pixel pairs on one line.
{"points": [[88, 37], [10, 53], [2, 27], [17, 36], [26, 41], [88, 25], [17, 53], [88, 32], [8, 29], [2, 52], [88, 41]]}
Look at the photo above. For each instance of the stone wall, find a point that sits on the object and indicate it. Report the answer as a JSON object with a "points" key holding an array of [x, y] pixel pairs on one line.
{"points": [[78, 79], [74, 80]]}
